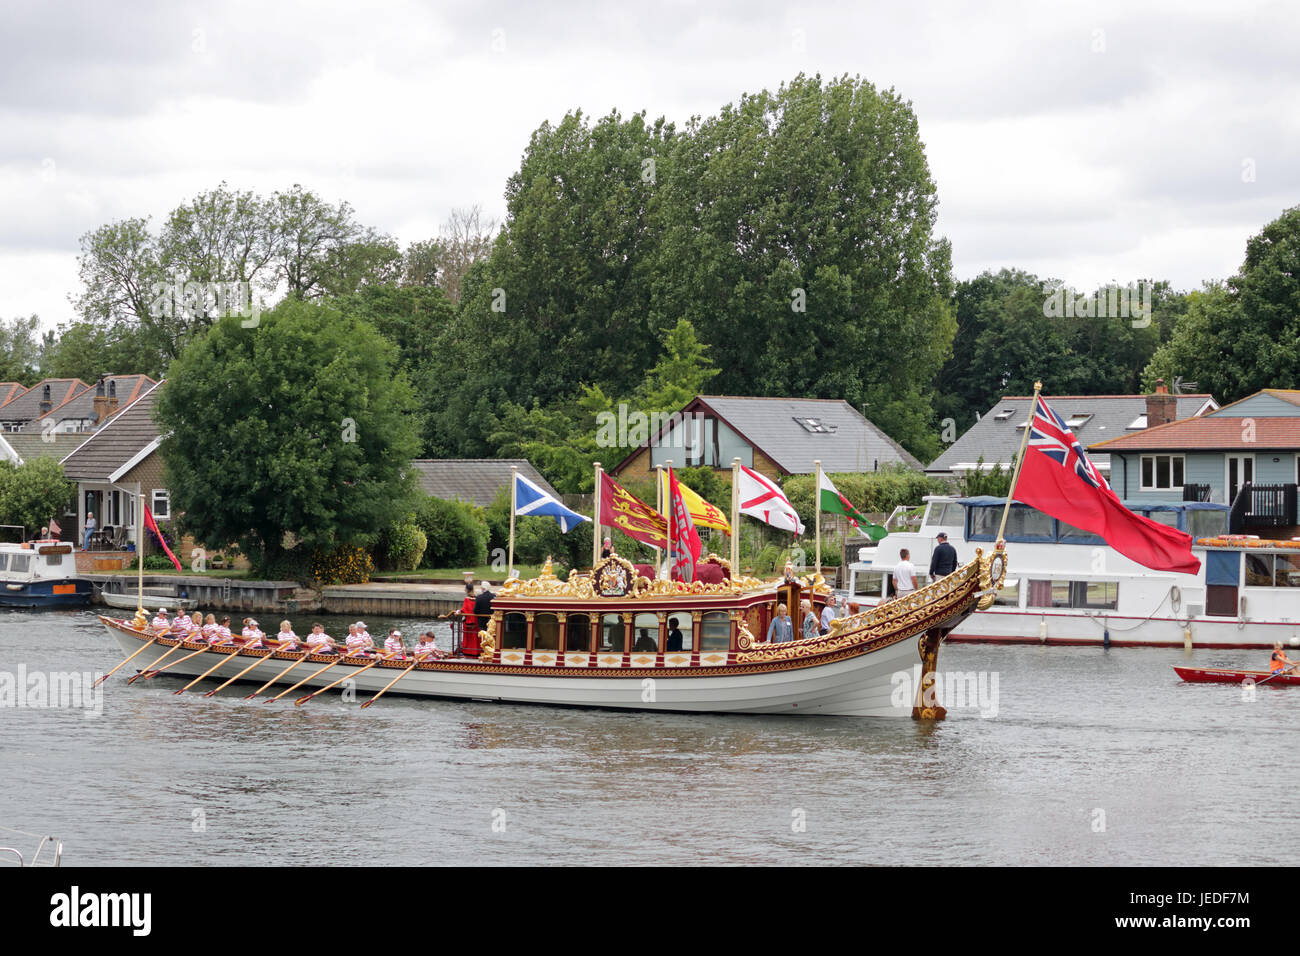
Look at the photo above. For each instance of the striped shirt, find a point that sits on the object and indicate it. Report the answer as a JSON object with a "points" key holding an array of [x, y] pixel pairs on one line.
{"points": [[160, 622], [357, 643], [393, 645], [318, 640], [426, 647], [222, 634], [181, 626], [209, 632]]}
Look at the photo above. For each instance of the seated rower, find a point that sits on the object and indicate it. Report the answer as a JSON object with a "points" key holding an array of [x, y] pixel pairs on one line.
{"points": [[320, 642], [252, 633], [426, 648], [223, 633], [360, 644], [393, 646], [209, 628], [1278, 663], [181, 627], [361, 626], [160, 622], [287, 638]]}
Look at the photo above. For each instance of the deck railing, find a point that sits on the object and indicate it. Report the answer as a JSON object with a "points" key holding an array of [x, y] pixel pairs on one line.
{"points": [[1263, 506], [1196, 492]]}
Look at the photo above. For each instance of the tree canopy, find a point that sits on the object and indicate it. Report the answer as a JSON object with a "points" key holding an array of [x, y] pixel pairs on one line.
{"points": [[291, 436]]}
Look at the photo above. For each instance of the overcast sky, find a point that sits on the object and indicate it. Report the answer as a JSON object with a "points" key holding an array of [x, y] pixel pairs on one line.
{"points": [[1085, 141]]}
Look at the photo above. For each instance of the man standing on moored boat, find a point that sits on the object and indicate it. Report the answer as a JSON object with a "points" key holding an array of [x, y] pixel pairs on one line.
{"points": [[944, 559]]}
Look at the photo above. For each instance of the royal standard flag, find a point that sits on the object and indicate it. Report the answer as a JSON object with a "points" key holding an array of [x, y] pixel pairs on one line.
{"points": [[829, 499], [703, 514], [621, 509]]}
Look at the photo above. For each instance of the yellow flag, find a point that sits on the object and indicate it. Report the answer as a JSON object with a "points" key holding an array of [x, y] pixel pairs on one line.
{"points": [[702, 513]]}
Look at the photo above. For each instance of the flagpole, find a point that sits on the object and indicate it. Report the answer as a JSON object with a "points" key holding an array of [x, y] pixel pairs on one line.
{"points": [[595, 520], [817, 503], [1020, 460], [735, 518], [659, 505], [668, 521], [139, 553], [510, 566]]}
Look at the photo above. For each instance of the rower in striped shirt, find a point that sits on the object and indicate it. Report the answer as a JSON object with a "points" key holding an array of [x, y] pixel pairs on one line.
{"points": [[320, 642], [160, 622], [359, 642], [426, 648], [393, 646]]}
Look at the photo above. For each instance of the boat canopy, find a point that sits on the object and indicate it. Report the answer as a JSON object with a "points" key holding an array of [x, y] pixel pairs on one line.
{"points": [[983, 514]]}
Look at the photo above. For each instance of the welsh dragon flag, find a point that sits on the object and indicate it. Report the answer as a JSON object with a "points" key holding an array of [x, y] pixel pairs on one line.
{"points": [[829, 499]]}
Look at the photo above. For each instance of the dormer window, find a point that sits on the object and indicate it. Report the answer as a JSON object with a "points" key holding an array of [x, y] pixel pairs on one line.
{"points": [[816, 426]]}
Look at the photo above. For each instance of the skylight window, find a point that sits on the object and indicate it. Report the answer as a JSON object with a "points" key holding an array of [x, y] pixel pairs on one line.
{"points": [[816, 426], [1003, 415], [1074, 421], [1139, 423]]}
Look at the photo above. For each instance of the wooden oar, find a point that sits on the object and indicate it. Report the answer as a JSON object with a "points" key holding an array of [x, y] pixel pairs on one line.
{"points": [[158, 660], [302, 700], [305, 654], [149, 675], [395, 680], [224, 658], [264, 657], [342, 658], [128, 660], [1286, 670]]}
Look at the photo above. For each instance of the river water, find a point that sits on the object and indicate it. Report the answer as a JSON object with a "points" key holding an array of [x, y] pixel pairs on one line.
{"points": [[1073, 756]]}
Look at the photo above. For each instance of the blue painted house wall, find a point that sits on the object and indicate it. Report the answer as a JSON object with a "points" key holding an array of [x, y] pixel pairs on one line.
{"points": [[1259, 405]]}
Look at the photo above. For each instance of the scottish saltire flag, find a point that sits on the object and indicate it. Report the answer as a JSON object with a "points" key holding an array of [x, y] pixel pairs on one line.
{"points": [[532, 501]]}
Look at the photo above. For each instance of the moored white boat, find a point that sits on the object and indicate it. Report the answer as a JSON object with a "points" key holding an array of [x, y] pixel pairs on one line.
{"points": [[1070, 587], [575, 643], [41, 574]]}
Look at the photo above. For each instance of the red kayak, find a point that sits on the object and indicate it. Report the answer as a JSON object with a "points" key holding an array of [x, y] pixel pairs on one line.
{"points": [[1223, 675]]}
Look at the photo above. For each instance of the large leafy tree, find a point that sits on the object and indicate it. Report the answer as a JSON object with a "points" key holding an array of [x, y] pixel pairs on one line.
{"points": [[87, 350], [33, 493], [1239, 338], [20, 345], [799, 238], [290, 436]]}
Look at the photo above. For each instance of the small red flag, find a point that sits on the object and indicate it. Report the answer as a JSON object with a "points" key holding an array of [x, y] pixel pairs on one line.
{"points": [[153, 526], [685, 539]]}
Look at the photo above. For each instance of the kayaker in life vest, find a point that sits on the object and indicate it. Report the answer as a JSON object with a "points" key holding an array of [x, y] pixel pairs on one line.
{"points": [[1279, 662]]}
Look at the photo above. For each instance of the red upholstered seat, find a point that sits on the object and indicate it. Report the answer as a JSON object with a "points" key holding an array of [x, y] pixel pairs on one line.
{"points": [[644, 571]]}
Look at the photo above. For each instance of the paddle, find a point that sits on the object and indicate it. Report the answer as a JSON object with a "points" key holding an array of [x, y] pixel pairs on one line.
{"points": [[151, 674], [265, 657], [119, 666], [302, 700], [224, 658], [305, 654], [179, 645], [422, 657], [1286, 670], [271, 700]]}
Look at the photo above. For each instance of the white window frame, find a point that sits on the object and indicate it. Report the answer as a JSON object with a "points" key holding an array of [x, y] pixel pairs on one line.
{"points": [[153, 503], [1254, 469], [1154, 471]]}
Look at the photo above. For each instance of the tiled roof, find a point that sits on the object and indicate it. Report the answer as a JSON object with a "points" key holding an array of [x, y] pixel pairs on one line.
{"points": [[1211, 434], [82, 405], [116, 443], [996, 436], [10, 390], [850, 443], [475, 480], [27, 406], [56, 445]]}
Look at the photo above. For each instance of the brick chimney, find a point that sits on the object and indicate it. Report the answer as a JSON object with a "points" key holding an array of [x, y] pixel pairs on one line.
{"points": [[101, 403], [1162, 408], [112, 396], [46, 404]]}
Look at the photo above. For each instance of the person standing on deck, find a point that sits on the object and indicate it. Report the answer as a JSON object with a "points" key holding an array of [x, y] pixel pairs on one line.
{"points": [[90, 529], [781, 630], [904, 574], [811, 627], [483, 612], [943, 561]]}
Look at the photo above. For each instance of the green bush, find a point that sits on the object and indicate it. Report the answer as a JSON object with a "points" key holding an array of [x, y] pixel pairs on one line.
{"points": [[456, 533], [403, 545], [875, 491]]}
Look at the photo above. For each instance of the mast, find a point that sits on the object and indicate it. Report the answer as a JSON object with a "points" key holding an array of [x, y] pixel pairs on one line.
{"points": [[139, 552], [668, 520], [817, 504], [595, 519], [659, 506], [735, 518], [510, 566], [1020, 460]]}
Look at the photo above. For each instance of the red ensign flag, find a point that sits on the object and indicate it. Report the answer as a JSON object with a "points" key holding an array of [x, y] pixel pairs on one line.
{"points": [[153, 526], [1058, 479]]}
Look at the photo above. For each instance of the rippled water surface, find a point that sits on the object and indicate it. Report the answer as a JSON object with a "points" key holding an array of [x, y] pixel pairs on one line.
{"points": [[1093, 757]]}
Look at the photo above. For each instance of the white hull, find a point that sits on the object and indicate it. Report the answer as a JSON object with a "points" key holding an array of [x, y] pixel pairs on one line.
{"points": [[129, 601], [861, 686]]}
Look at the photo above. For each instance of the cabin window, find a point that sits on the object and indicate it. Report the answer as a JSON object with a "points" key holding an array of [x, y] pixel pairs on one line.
{"points": [[611, 633], [1069, 533], [1162, 472], [1169, 518], [1207, 523], [1009, 594], [715, 631], [53, 560], [577, 632], [4, 561], [1026, 522], [680, 633], [869, 584], [514, 635], [1272, 570], [984, 522], [645, 633], [945, 513], [20, 563], [162, 504], [546, 632], [1093, 595]]}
